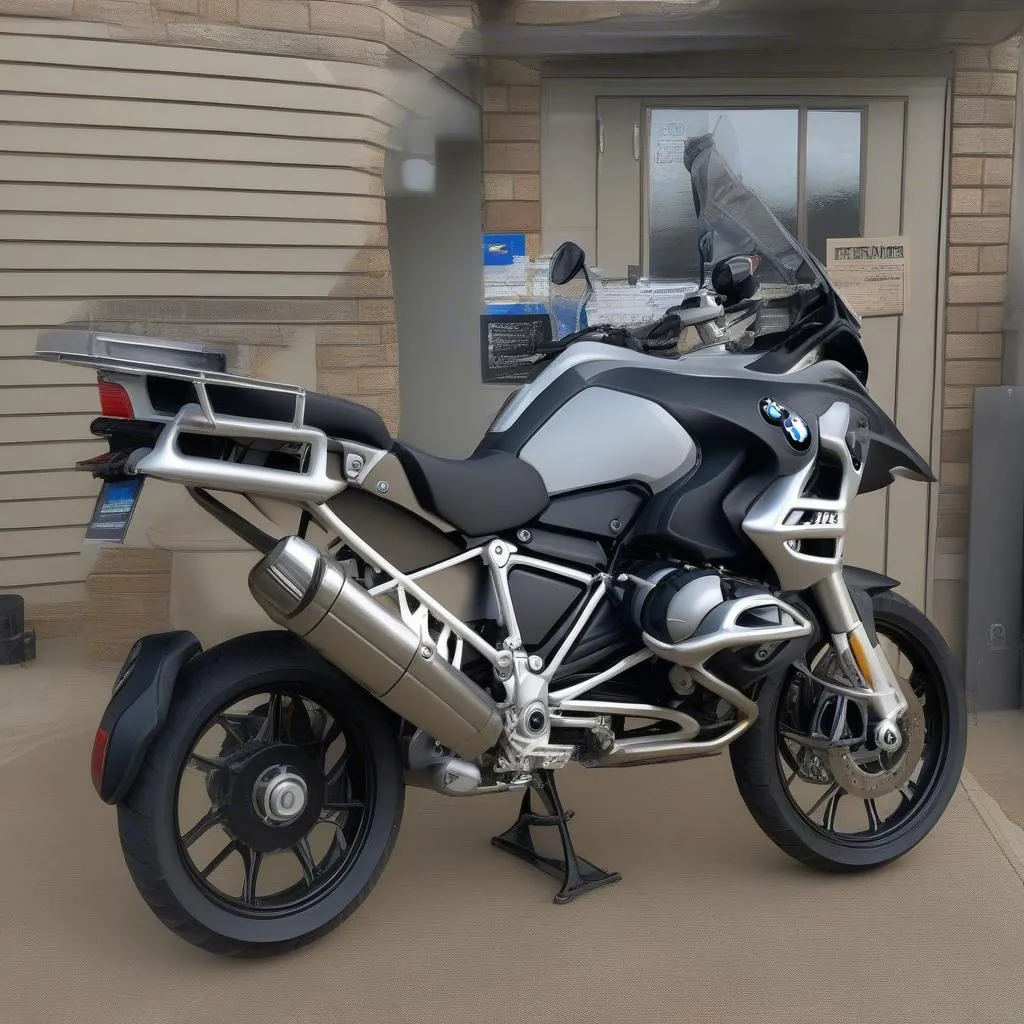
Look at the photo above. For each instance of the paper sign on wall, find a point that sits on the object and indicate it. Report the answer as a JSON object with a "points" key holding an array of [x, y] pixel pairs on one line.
{"points": [[671, 143], [870, 273]]}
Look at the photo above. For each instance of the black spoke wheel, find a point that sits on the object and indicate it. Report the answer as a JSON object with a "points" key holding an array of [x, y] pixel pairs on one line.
{"points": [[851, 806], [288, 784], [268, 806]]}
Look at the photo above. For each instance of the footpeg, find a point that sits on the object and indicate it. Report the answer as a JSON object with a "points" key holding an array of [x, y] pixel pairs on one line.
{"points": [[576, 874]]}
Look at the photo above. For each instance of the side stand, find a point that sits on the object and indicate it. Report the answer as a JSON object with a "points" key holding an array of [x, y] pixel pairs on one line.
{"points": [[576, 874]]}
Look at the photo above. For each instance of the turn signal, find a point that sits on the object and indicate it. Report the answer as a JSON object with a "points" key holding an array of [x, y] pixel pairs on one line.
{"points": [[114, 400]]}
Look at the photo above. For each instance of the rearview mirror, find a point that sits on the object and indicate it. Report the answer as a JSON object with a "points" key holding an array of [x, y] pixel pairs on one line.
{"points": [[568, 261], [734, 277]]}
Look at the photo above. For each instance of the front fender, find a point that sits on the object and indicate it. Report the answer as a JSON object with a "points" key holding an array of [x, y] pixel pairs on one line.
{"points": [[864, 584], [138, 709]]}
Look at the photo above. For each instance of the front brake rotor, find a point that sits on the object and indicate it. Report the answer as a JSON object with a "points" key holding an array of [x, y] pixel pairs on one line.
{"points": [[890, 771]]}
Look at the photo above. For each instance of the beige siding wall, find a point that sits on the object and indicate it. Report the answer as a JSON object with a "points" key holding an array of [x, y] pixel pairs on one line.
{"points": [[190, 191], [984, 90]]}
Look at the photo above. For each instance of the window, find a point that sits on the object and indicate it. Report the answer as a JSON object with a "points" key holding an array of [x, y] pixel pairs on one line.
{"points": [[804, 163]]}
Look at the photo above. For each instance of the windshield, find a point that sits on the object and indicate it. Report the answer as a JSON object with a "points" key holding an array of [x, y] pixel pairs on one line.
{"points": [[733, 220]]}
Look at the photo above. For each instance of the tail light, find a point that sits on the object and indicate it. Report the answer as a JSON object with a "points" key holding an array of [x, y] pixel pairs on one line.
{"points": [[98, 761], [115, 402]]}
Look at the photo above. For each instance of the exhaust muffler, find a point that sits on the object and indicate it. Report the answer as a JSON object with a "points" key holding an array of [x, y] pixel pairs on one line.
{"points": [[313, 597]]}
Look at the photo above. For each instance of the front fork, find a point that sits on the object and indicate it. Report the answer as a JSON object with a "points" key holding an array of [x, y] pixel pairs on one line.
{"points": [[862, 658]]}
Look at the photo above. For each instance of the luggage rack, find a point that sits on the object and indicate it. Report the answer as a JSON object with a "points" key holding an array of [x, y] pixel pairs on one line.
{"points": [[196, 362], [203, 366]]}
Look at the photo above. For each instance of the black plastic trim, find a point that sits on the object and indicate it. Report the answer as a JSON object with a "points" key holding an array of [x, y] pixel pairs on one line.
{"points": [[864, 584], [138, 708]]}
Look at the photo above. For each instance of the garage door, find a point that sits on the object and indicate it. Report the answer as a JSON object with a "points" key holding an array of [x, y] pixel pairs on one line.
{"points": [[164, 190]]}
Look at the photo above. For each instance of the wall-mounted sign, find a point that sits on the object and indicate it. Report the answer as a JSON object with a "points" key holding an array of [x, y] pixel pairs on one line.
{"points": [[870, 273], [505, 266], [509, 338]]}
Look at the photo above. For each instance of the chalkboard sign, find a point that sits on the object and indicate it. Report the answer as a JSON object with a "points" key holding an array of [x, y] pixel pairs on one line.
{"points": [[508, 343]]}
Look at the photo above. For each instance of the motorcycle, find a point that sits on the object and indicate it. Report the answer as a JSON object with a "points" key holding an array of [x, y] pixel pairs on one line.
{"points": [[642, 562]]}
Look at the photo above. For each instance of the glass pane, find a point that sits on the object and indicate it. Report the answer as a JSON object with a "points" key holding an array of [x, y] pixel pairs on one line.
{"points": [[833, 176], [761, 146]]}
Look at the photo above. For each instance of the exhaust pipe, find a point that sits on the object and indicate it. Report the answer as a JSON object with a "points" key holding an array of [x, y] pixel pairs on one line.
{"points": [[313, 597]]}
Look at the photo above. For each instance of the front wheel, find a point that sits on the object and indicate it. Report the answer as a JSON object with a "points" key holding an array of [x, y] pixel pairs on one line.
{"points": [[853, 806], [270, 802]]}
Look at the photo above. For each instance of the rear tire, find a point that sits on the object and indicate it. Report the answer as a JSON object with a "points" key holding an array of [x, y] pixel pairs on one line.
{"points": [[762, 780], [158, 854]]}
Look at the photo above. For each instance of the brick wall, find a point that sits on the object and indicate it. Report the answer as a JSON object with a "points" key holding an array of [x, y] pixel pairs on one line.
{"points": [[984, 91], [511, 103]]}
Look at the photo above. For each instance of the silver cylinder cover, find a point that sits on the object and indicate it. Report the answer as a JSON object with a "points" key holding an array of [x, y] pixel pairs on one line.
{"points": [[679, 602]]}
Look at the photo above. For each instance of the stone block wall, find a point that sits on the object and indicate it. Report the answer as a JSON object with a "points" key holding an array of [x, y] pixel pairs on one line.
{"points": [[984, 100], [511, 104]]}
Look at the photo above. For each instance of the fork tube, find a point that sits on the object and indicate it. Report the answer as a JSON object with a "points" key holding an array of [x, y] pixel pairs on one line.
{"points": [[863, 661]]}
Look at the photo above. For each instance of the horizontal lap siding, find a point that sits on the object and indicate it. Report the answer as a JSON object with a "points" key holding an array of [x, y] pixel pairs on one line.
{"points": [[180, 191]]}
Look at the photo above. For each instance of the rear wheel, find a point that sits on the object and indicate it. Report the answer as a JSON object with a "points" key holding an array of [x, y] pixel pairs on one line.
{"points": [[269, 804], [854, 806]]}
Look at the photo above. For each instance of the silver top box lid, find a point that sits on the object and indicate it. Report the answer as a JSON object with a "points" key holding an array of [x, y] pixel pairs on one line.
{"points": [[128, 353]]}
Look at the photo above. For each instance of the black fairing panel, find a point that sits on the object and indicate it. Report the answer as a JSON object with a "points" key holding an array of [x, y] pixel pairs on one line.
{"points": [[889, 450], [740, 453], [541, 602], [582, 527], [690, 516]]}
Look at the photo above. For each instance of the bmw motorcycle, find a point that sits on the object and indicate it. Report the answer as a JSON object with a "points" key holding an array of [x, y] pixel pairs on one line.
{"points": [[642, 562]]}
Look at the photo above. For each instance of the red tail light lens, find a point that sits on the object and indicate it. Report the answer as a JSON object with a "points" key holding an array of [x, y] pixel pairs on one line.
{"points": [[99, 758], [114, 401]]}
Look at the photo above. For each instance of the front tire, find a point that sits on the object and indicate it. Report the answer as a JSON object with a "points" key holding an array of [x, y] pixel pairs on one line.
{"points": [[293, 758], [765, 772]]}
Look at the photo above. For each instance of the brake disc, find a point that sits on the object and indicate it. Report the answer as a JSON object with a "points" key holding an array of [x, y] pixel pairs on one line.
{"points": [[885, 773]]}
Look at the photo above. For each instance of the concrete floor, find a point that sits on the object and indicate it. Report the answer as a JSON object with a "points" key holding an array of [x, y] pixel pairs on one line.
{"points": [[710, 923]]}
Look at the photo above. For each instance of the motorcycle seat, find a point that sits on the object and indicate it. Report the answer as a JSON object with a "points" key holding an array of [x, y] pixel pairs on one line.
{"points": [[489, 492]]}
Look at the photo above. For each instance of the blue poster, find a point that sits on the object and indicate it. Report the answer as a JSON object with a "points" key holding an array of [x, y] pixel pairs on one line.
{"points": [[503, 250]]}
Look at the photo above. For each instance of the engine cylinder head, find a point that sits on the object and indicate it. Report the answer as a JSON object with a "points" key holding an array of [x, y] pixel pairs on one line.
{"points": [[679, 603]]}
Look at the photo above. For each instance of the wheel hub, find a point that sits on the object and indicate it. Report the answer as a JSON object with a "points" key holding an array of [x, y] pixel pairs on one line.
{"points": [[889, 771], [272, 797], [280, 795]]}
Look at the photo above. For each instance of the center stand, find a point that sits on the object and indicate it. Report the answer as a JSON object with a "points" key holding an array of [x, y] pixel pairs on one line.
{"points": [[576, 874]]}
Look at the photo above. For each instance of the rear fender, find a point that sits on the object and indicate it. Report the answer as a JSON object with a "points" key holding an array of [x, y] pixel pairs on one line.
{"points": [[138, 709]]}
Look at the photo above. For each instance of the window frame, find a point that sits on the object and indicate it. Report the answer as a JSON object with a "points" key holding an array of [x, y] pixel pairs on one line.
{"points": [[699, 102]]}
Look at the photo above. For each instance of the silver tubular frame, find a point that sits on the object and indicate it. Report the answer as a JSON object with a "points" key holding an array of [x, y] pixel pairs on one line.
{"points": [[312, 483], [527, 738]]}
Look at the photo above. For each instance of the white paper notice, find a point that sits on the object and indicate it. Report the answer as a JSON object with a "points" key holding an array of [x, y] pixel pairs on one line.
{"points": [[870, 273], [671, 143]]}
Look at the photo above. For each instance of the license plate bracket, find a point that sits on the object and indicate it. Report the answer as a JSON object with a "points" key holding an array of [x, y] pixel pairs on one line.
{"points": [[114, 509]]}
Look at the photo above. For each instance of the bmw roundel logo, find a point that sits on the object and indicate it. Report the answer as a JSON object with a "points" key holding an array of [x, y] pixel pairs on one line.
{"points": [[798, 434]]}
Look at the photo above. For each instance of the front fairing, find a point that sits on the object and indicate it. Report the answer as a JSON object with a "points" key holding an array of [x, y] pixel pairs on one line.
{"points": [[890, 454]]}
